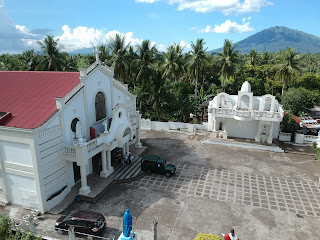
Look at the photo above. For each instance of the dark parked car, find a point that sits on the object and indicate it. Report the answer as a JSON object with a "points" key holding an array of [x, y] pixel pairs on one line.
{"points": [[84, 221], [156, 164]]}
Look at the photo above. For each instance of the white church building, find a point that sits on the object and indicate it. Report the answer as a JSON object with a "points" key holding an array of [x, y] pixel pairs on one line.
{"points": [[53, 124], [245, 116]]}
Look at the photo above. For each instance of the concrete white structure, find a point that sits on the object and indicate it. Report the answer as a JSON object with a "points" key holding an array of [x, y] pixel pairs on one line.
{"points": [[245, 116], [39, 165]]}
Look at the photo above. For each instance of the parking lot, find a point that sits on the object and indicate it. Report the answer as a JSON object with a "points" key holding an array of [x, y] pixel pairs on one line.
{"points": [[258, 193]]}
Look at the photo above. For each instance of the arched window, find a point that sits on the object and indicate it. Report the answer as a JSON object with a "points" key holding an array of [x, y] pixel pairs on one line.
{"points": [[267, 104], [100, 104]]}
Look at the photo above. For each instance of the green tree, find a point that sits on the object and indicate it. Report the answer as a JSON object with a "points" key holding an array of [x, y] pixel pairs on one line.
{"points": [[253, 57], [174, 62], [289, 64], [227, 60], [52, 60], [299, 100], [145, 66], [266, 58], [119, 56], [197, 61], [29, 60]]}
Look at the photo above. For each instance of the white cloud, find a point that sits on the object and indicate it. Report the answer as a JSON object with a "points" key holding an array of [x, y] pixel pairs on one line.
{"points": [[1, 3], [84, 37], [186, 46], [225, 6], [228, 27], [147, 1]]}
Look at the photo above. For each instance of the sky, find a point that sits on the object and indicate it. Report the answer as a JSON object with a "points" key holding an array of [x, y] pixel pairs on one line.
{"points": [[82, 24]]}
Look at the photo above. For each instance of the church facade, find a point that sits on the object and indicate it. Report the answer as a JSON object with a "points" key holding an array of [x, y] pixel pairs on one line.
{"points": [[245, 116], [52, 127]]}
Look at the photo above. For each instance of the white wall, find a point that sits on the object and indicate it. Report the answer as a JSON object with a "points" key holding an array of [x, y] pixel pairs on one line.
{"points": [[235, 130], [18, 153], [22, 190], [74, 109]]}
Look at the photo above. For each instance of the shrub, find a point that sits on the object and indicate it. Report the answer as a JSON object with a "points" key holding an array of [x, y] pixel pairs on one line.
{"points": [[202, 236], [5, 226], [316, 150]]}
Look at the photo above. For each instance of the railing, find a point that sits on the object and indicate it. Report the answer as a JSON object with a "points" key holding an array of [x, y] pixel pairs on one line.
{"points": [[70, 151], [246, 113], [73, 92], [91, 144]]}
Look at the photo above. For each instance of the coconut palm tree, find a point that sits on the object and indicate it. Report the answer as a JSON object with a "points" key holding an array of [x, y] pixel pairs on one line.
{"points": [[29, 60], [227, 60], [266, 58], [52, 60], [253, 57], [198, 59], [119, 57], [174, 62], [289, 65], [147, 56]]}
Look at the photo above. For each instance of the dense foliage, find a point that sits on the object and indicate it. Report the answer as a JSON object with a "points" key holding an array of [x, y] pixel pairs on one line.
{"points": [[172, 84], [7, 234]]}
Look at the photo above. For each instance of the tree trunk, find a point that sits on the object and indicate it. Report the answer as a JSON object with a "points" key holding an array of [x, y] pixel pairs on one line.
{"points": [[283, 86], [196, 85]]}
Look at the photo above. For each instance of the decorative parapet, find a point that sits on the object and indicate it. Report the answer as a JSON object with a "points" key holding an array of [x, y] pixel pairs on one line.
{"points": [[245, 113], [91, 144], [70, 151]]}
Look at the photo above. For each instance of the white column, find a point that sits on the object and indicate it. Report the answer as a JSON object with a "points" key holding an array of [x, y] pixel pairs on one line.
{"points": [[123, 149], [138, 143], [108, 168], [85, 189], [214, 125], [257, 138], [127, 147], [270, 137], [104, 163]]}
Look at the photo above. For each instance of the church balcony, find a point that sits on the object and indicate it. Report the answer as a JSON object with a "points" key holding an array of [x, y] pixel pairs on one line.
{"points": [[243, 115]]}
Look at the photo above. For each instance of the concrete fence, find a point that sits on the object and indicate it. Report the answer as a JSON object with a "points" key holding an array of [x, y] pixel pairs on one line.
{"points": [[147, 124]]}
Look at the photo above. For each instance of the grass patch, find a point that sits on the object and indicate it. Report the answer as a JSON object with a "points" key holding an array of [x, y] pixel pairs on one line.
{"points": [[316, 150], [202, 236]]}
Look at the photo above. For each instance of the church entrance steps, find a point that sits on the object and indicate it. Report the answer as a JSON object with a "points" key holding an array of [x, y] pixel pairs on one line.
{"points": [[244, 145], [128, 171]]}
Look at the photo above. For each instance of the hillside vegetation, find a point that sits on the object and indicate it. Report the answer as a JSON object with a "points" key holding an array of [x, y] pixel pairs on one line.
{"points": [[275, 39]]}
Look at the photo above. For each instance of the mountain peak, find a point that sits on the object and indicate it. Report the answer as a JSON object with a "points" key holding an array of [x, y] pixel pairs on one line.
{"points": [[278, 38]]}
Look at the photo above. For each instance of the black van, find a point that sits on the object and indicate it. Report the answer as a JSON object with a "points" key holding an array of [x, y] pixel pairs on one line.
{"points": [[83, 221], [156, 164]]}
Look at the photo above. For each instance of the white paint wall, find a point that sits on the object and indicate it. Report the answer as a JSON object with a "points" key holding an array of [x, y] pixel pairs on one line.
{"points": [[74, 109], [16, 153], [22, 190], [235, 130]]}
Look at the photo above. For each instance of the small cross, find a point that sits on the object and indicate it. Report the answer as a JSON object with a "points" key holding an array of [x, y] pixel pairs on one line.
{"points": [[96, 51]]}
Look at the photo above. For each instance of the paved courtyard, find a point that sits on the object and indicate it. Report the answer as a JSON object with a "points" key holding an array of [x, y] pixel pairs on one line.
{"points": [[258, 193], [288, 195]]}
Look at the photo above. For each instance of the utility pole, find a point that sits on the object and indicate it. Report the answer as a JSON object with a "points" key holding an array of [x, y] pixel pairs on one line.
{"points": [[155, 224]]}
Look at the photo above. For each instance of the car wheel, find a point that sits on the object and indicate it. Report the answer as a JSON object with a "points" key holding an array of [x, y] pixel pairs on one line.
{"points": [[167, 174], [60, 231]]}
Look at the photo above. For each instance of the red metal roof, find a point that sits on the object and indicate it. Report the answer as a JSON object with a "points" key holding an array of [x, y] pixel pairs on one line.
{"points": [[29, 96]]}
